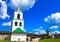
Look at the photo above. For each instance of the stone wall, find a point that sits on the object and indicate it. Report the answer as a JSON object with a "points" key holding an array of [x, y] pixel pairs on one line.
{"points": [[3, 37], [35, 39]]}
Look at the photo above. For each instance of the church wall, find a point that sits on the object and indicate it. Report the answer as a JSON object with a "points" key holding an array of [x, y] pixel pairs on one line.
{"points": [[4, 37], [21, 15], [36, 39], [15, 37], [18, 22], [14, 27]]}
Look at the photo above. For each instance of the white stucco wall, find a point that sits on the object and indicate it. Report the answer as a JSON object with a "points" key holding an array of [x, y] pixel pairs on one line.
{"points": [[17, 20], [15, 37], [16, 13], [15, 27], [36, 39]]}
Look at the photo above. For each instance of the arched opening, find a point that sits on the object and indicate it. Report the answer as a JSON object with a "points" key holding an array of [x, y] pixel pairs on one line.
{"points": [[20, 24], [15, 23], [26, 39], [18, 16]]}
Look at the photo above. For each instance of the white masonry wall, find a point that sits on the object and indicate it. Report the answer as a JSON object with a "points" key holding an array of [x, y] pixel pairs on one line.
{"points": [[16, 13], [15, 27], [15, 37], [17, 20]]}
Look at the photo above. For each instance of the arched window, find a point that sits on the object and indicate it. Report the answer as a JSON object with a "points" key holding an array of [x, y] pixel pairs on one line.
{"points": [[20, 24], [18, 16], [26, 39], [15, 23]]}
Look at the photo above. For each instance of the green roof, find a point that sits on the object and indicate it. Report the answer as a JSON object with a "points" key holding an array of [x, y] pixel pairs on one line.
{"points": [[18, 30]]}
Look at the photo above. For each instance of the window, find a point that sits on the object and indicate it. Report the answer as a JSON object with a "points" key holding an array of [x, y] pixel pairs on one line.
{"points": [[26, 39], [15, 23], [20, 24], [18, 16]]}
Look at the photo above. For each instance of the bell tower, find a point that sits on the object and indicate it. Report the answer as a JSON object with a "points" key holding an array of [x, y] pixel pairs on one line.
{"points": [[18, 21], [18, 32]]}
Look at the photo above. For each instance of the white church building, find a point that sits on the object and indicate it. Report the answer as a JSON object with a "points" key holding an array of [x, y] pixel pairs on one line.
{"points": [[18, 32]]}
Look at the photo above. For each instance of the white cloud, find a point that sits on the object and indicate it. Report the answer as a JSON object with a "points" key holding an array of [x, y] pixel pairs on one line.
{"points": [[3, 10], [6, 24], [53, 19], [36, 32], [39, 31], [56, 32], [42, 32], [36, 29], [54, 27], [24, 4], [25, 30], [41, 27], [46, 19]]}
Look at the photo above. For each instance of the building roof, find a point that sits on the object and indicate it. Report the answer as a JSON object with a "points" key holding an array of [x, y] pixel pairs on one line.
{"points": [[18, 30], [28, 34], [35, 35]]}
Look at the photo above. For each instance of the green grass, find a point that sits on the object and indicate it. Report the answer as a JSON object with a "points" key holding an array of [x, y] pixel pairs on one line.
{"points": [[44, 40], [4, 41], [50, 40]]}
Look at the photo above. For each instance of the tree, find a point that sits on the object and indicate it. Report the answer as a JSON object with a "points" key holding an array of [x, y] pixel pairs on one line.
{"points": [[48, 33]]}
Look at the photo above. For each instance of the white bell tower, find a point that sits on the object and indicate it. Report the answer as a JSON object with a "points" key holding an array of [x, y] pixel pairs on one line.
{"points": [[18, 20], [18, 27]]}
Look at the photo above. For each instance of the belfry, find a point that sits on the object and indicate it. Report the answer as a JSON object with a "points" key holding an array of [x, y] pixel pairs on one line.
{"points": [[18, 27]]}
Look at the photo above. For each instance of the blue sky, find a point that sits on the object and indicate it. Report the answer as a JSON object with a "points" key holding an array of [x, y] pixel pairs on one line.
{"points": [[43, 15]]}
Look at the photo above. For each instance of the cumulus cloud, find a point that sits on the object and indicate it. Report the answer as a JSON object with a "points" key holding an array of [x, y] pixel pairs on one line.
{"points": [[53, 19], [36, 32], [56, 32], [41, 27], [46, 19], [39, 31], [42, 32], [54, 27], [23, 4], [25, 30], [3, 10], [6, 24], [36, 29]]}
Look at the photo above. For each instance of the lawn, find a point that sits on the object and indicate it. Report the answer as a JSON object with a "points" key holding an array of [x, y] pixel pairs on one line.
{"points": [[50, 40], [44, 40], [4, 41]]}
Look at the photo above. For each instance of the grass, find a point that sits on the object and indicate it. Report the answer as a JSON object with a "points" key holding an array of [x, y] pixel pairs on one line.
{"points": [[50, 40], [4, 41], [44, 40]]}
